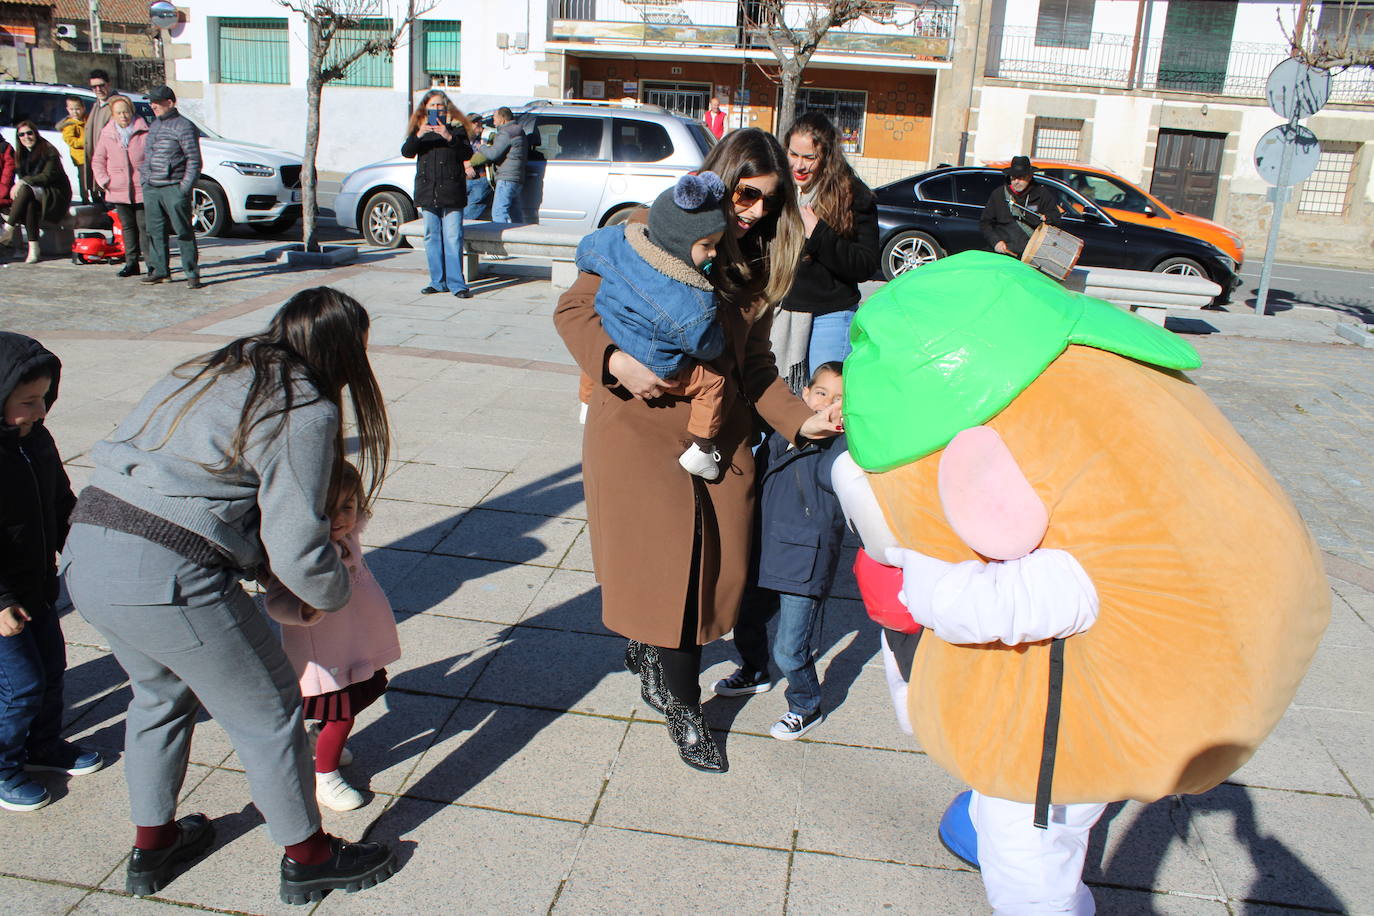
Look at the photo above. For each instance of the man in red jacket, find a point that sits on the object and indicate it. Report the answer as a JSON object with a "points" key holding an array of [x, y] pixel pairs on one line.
{"points": [[715, 118]]}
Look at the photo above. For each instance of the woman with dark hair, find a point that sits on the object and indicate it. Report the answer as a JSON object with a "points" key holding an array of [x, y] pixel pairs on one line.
{"points": [[41, 193], [671, 551], [840, 216], [437, 138], [222, 472]]}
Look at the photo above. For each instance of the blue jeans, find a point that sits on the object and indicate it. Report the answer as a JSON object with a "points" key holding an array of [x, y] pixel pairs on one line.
{"points": [[506, 207], [31, 668], [794, 647], [829, 338], [479, 195], [444, 248]]}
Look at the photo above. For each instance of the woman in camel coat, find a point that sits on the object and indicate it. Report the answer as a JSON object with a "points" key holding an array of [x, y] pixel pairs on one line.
{"points": [[670, 550]]}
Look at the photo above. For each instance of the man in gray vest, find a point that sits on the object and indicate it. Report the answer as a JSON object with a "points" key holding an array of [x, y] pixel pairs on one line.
{"points": [[171, 166]]}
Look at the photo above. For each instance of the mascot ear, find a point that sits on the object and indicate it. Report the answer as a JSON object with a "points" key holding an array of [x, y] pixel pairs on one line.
{"points": [[987, 500], [860, 507]]}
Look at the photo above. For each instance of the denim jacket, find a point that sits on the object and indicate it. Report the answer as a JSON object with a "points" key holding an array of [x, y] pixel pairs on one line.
{"points": [[656, 308]]}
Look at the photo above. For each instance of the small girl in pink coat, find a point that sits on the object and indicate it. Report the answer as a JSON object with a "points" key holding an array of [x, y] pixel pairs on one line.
{"points": [[339, 656]]}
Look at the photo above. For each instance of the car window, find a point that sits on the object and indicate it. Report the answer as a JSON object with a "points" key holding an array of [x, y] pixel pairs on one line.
{"points": [[1101, 190], [1071, 204], [976, 188], [939, 189], [704, 138], [6, 108], [567, 137], [639, 141], [42, 108]]}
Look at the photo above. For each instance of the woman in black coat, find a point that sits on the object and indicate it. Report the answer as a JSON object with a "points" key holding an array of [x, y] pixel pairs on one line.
{"points": [[42, 192], [437, 138], [840, 216]]}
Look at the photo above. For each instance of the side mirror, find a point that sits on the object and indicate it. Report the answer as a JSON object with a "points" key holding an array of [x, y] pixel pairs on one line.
{"points": [[1150, 211]]}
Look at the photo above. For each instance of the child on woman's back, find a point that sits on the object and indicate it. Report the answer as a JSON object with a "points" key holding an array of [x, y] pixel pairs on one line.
{"points": [[339, 656], [658, 305]]}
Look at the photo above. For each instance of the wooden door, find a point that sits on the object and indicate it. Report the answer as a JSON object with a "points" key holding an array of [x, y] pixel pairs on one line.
{"points": [[1188, 170]]}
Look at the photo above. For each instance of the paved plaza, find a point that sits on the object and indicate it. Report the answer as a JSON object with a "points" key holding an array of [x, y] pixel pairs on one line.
{"points": [[512, 764]]}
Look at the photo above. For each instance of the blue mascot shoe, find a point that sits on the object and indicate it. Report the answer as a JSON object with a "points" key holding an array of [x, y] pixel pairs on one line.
{"points": [[956, 829]]}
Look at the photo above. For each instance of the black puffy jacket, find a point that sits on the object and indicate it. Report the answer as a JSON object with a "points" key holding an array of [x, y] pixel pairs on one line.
{"points": [[440, 181], [832, 266]]}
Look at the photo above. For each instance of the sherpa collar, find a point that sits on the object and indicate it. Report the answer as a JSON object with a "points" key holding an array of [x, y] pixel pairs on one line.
{"points": [[637, 234]]}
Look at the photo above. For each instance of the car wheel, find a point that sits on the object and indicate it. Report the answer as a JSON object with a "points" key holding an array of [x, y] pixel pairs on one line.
{"points": [[383, 216], [909, 249], [209, 209], [278, 225], [1181, 267], [619, 216]]}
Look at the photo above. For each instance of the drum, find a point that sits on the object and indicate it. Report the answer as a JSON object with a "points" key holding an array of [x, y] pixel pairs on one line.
{"points": [[1052, 251]]}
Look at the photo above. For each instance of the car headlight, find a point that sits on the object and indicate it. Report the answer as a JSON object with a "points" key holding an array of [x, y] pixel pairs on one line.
{"points": [[255, 169]]}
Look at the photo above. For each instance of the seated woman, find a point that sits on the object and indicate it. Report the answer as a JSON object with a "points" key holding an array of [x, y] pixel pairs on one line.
{"points": [[41, 193]]}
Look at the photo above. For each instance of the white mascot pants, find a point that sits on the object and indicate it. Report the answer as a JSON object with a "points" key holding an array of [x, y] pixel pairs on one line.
{"points": [[1028, 871]]}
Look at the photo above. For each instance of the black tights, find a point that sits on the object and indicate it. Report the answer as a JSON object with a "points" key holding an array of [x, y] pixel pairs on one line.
{"points": [[682, 664], [27, 211]]}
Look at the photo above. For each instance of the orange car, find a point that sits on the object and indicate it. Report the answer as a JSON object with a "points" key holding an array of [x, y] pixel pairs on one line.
{"points": [[1125, 201]]}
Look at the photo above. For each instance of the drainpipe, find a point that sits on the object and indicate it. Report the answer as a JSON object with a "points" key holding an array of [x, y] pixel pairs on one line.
{"points": [[97, 40], [1135, 45]]}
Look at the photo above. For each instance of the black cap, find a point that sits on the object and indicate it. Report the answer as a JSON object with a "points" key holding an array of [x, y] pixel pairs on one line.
{"points": [[162, 94], [1020, 168]]}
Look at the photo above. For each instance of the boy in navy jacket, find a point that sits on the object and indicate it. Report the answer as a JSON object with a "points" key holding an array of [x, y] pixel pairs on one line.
{"points": [[35, 503], [799, 532]]}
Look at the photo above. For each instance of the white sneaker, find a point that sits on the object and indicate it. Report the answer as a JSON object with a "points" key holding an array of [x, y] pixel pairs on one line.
{"points": [[700, 462], [312, 733], [792, 726], [334, 792]]}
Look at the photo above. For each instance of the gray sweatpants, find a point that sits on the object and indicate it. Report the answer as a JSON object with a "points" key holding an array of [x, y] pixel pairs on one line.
{"points": [[188, 635]]}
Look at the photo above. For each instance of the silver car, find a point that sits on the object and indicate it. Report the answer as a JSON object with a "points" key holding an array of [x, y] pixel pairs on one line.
{"points": [[590, 164]]}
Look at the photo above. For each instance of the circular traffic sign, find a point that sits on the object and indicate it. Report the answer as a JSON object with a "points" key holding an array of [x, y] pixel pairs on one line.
{"points": [[1294, 141], [1296, 90]]}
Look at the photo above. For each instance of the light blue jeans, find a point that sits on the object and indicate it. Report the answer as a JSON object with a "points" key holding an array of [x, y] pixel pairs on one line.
{"points": [[444, 248], [479, 194], [829, 338], [506, 207], [794, 649]]}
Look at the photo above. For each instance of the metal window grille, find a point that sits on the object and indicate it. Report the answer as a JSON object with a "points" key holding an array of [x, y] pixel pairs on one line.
{"points": [[1328, 189], [254, 51], [443, 46], [584, 10], [845, 110], [1057, 138], [370, 69]]}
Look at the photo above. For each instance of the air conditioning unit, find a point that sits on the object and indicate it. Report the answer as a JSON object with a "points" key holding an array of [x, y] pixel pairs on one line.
{"points": [[66, 30]]}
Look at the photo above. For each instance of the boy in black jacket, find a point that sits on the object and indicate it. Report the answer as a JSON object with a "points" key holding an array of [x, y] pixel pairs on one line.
{"points": [[799, 529], [35, 502]]}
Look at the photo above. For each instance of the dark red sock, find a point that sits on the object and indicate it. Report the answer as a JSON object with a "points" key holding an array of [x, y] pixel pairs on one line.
{"points": [[333, 735], [312, 851], [159, 837]]}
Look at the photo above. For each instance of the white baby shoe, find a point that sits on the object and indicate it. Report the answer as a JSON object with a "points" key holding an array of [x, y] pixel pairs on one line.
{"points": [[700, 462]]}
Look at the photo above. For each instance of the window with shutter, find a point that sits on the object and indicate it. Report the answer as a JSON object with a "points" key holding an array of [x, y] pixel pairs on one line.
{"points": [[1064, 24], [253, 51], [1197, 45], [370, 69]]}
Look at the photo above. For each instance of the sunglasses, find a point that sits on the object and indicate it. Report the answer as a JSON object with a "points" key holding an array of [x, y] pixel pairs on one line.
{"points": [[747, 195], [99, 85], [27, 133]]}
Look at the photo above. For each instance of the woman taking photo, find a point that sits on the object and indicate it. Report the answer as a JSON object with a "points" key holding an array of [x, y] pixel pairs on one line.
{"points": [[670, 550], [840, 217], [41, 192], [118, 168], [221, 473], [437, 138]]}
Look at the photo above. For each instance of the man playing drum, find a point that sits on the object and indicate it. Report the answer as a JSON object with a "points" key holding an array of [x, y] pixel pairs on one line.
{"points": [[1016, 210]]}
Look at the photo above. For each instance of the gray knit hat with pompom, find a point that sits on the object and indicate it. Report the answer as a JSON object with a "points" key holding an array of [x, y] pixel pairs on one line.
{"points": [[690, 210]]}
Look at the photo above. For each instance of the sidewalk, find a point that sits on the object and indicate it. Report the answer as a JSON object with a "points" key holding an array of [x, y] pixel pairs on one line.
{"points": [[513, 765]]}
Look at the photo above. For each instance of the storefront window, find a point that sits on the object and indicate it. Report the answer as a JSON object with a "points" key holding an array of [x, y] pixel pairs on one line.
{"points": [[845, 110]]}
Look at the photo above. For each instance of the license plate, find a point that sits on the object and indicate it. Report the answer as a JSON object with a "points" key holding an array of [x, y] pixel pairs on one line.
{"points": [[295, 197]]}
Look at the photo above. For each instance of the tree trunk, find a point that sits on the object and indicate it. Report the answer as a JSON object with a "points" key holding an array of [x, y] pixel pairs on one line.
{"points": [[314, 86], [790, 77]]}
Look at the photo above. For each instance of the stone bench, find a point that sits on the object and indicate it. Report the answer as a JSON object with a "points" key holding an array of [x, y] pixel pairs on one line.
{"points": [[512, 240], [1144, 292]]}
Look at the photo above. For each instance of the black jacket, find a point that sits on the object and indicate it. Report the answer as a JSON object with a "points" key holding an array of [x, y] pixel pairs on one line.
{"points": [[35, 495], [999, 224], [440, 180], [799, 526], [832, 266], [42, 168]]}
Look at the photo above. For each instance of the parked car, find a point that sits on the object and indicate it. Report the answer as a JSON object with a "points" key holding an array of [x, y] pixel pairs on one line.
{"points": [[243, 183], [1130, 203], [590, 164], [927, 216]]}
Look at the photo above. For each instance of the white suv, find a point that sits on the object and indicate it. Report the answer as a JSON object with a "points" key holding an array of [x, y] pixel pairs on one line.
{"points": [[240, 182], [590, 164]]}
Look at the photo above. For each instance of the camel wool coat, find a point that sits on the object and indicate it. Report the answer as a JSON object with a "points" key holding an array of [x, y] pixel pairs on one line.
{"points": [[641, 504]]}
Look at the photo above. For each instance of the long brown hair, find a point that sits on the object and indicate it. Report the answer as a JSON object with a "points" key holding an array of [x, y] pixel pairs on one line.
{"points": [[761, 265], [41, 150], [319, 335], [452, 114], [834, 181]]}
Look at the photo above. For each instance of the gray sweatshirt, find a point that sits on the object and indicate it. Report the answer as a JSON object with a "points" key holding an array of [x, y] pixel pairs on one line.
{"points": [[269, 508]]}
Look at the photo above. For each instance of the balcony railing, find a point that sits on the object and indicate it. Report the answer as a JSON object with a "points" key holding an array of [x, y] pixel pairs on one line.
{"points": [[1167, 65], [912, 30]]}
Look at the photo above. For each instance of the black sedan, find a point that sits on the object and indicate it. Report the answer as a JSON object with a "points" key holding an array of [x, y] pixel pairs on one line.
{"points": [[936, 213]]}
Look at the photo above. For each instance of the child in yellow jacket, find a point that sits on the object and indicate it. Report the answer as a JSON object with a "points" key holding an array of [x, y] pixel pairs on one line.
{"points": [[73, 128]]}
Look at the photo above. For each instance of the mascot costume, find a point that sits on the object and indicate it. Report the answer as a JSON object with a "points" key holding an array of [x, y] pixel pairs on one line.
{"points": [[1118, 600]]}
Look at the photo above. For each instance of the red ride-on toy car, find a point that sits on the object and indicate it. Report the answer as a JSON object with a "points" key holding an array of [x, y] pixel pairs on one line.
{"points": [[96, 243]]}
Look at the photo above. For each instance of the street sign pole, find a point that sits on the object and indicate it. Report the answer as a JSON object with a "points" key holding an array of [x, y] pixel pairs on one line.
{"points": [[1279, 196]]}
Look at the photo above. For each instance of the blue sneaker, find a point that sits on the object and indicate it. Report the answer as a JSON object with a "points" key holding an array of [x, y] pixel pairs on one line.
{"points": [[956, 829], [65, 757], [19, 793]]}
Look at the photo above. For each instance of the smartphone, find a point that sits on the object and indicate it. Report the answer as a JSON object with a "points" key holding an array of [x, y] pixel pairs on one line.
{"points": [[434, 115]]}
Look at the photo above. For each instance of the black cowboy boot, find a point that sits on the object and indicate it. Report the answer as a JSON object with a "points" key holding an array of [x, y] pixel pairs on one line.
{"points": [[644, 661], [695, 746]]}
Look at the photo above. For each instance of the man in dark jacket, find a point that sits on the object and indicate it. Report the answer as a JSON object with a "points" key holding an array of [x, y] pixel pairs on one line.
{"points": [[35, 503], [509, 152], [171, 166], [1015, 211]]}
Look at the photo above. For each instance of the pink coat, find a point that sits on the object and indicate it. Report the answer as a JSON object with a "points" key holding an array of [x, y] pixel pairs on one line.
{"points": [[346, 646], [118, 170]]}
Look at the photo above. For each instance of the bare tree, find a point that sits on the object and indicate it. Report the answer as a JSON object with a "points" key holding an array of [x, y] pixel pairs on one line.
{"points": [[1342, 38], [794, 31], [326, 21]]}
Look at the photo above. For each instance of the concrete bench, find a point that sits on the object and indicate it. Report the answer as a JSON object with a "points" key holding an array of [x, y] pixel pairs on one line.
{"points": [[1144, 292], [512, 240]]}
